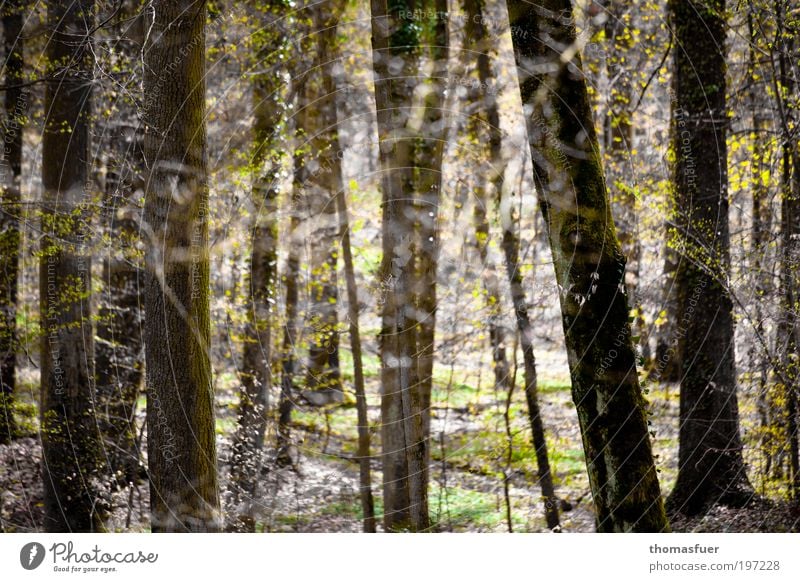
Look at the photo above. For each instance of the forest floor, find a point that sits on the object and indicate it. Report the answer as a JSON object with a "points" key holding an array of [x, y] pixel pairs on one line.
{"points": [[473, 453]]}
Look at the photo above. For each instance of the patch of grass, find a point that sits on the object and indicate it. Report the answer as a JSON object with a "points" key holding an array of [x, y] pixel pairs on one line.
{"points": [[352, 508], [342, 421], [460, 509], [460, 395], [566, 463], [370, 362], [554, 386]]}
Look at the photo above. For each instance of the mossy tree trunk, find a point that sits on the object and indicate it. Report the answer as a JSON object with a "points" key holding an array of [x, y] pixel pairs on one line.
{"points": [[16, 106], [70, 439], [589, 267], [710, 465], [184, 493]]}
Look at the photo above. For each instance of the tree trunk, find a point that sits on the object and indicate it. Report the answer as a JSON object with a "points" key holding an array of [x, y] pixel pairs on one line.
{"points": [[428, 153], [400, 431], [760, 253], [286, 454], [323, 181], [184, 494], [667, 365], [70, 440], [618, 138], [589, 267], [328, 46], [710, 465], [16, 106], [255, 374], [119, 348], [478, 38], [364, 455], [511, 250], [788, 326], [410, 162]]}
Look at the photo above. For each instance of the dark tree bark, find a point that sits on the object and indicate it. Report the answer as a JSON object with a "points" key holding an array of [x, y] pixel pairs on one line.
{"points": [[119, 348], [710, 465], [511, 251], [16, 106], [589, 267], [403, 41], [180, 401], [70, 439], [255, 374]]}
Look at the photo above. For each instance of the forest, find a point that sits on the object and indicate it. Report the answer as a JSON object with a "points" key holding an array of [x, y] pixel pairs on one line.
{"points": [[400, 266]]}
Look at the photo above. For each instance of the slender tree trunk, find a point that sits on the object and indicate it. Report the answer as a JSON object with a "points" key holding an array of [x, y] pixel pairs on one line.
{"points": [[119, 348], [184, 493], [329, 49], [323, 180], [760, 242], [478, 38], [787, 325], [364, 455], [70, 440], [589, 267], [511, 251], [710, 465], [618, 137], [667, 365], [16, 106], [286, 454], [255, 374], [491, 284]]}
